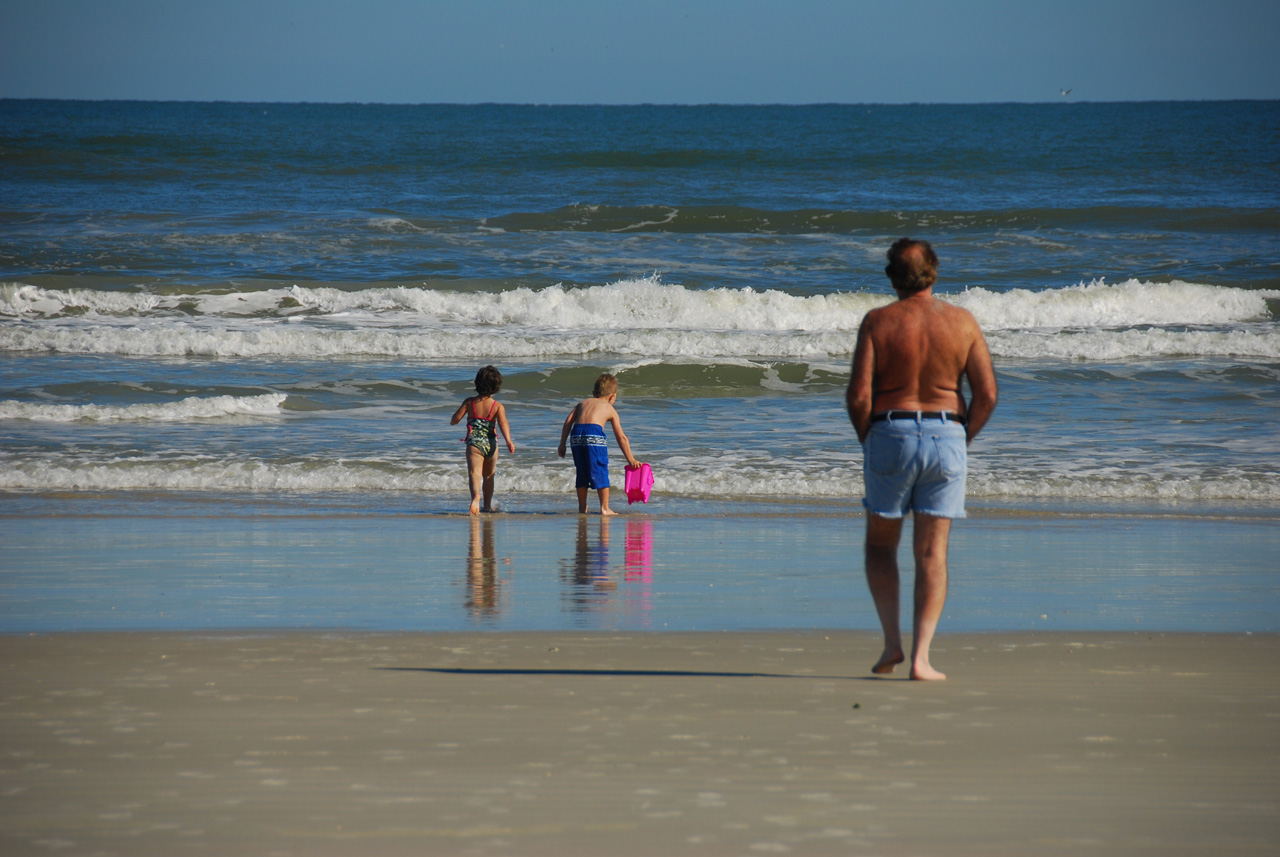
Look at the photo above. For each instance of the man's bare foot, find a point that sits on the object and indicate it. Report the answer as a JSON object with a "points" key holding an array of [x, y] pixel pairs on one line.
{"points": [[924, 672], [475, 507], [887, 662], [607, 512]]}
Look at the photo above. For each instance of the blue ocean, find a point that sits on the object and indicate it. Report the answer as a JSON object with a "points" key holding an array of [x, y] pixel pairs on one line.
{"points": [[266, 310]]}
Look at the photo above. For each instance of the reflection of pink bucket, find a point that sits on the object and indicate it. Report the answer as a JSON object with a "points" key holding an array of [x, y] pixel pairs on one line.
{"points": [[639, 550], [638, 483]]}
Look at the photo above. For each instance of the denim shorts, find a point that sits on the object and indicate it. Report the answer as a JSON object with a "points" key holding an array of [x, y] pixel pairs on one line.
{"points": [[918, 465]]}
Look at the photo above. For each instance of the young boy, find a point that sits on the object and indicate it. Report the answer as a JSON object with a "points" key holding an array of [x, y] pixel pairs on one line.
{"points": [[584, 431]]}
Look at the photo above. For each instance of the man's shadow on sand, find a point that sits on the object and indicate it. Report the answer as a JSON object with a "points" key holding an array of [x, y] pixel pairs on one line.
{"points": [[509, 671]]}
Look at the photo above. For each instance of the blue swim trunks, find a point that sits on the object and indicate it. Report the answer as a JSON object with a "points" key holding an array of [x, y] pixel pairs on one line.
{"points": [[590, 455], [913, 464]]}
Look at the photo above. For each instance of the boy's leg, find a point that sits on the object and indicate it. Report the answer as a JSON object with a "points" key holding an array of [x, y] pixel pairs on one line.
{"points": [[604, 502], [582, 470]]}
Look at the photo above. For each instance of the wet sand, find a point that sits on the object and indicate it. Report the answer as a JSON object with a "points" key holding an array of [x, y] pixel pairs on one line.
{"points": [[561, 743]]}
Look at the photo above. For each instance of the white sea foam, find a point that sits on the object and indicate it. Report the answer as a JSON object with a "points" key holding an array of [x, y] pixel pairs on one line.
{"points": [[1103, 305], [793, 480], [626, 305], [1095, 321], [313, 342], [1114, 345], [192, 408], [649, 303]]}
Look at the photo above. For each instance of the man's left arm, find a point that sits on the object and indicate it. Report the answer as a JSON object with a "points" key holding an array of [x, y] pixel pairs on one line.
{"points": [[982, 387]]}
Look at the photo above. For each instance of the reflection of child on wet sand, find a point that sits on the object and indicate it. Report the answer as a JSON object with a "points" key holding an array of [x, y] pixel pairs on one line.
{"points": [[482, 566], [485, 416], [584, 432], [483, 583]]}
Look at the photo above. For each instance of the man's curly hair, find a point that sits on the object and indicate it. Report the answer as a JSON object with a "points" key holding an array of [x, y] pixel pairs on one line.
{"points": [[910, 271]]}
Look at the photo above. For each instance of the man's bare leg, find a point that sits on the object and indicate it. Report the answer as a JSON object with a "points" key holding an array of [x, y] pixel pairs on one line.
{"points": [[882, 578], [929, 543]]}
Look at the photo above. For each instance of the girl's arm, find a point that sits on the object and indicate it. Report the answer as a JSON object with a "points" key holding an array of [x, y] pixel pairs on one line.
{"points": [[460, 412], [506, 429]]}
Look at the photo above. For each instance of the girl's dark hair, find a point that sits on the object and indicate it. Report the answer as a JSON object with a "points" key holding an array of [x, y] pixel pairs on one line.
{"points": [[488, 381]]}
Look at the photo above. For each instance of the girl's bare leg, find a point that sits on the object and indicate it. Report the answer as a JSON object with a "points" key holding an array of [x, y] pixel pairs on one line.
{"points": [[490, 468], [475, 477]]}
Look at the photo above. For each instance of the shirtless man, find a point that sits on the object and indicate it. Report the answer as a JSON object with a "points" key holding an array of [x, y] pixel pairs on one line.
{"points": [[907, 406]]}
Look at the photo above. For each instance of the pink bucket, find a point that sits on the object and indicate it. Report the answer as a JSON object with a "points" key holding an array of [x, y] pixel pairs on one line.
{"points": [[638, 483]]}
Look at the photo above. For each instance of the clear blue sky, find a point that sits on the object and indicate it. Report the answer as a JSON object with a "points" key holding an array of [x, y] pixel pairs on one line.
{"points": [[642, 51]]}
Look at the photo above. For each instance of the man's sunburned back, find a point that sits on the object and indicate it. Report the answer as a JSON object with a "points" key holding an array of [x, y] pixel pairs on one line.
{"points": [[921, 347]]}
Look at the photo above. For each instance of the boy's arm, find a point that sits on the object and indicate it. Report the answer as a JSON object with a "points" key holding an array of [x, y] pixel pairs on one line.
{"points": [[564, 432], [460, 412], [616, 421], [506, 429]]}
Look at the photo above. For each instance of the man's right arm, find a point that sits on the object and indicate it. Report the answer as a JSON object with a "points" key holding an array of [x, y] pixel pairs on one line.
{"points": [[859, 396]]}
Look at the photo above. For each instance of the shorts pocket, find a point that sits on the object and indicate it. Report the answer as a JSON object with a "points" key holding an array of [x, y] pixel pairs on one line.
{"points": [[952, 459], [888, 454]]}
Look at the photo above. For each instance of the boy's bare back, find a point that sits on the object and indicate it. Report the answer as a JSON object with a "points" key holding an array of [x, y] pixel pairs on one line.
{"points": [[595, 411]]}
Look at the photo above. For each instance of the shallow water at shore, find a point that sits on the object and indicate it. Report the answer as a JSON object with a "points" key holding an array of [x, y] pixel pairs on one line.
{"points": [[201, 562]]}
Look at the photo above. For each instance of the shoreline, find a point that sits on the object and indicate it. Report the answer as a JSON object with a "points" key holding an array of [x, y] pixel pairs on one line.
{"points": [[202, 566], [398, 504], [631, 744]]}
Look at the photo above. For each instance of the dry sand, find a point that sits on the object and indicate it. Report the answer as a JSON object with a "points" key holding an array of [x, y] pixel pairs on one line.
{"points": [[637, 744]]}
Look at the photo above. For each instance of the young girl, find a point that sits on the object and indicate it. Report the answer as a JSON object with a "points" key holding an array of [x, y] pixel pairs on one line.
{"points": [[484, 417]]}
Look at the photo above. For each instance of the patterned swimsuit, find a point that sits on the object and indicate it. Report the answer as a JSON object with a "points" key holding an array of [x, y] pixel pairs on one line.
{"points": [[482, 431]]}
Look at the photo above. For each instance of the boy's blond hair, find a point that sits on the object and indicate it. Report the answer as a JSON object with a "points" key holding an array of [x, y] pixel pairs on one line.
{"points": [[606, 385]]}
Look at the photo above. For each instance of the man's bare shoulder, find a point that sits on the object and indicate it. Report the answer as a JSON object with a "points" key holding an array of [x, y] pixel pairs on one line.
{"points": [[958, 315], [878, 316]]}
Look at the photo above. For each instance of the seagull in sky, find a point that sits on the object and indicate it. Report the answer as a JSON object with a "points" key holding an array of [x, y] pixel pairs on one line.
{"points": [[1065, 92]]}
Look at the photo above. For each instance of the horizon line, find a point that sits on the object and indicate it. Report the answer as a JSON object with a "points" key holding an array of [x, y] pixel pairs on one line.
{"points": [[1060, 100]]}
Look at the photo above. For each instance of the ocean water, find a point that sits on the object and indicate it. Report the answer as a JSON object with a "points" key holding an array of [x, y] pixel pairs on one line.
{"points": [[294, 298], [275, 308]]}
